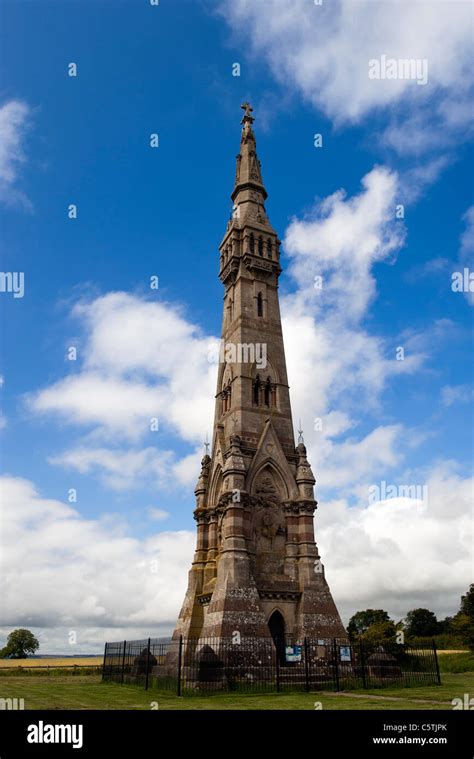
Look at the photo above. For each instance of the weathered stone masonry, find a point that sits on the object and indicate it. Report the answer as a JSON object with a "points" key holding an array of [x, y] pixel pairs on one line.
{"points": [[256, 567]]}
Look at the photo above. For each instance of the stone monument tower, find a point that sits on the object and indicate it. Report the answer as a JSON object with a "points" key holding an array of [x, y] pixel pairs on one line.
{"points": [[256, 568]]}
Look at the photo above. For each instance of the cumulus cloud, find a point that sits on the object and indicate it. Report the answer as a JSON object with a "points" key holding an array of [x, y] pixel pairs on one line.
{"points": [[337, 369], [143, 360], [111, 405], [341, 238], [373, 552], [401, 553], [145, 367], [14, 121], [323, 52], [119, 469], [61, 572], [345, 464]]}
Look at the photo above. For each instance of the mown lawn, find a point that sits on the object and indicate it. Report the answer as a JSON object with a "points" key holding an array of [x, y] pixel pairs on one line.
{"points": [[88, 692]]}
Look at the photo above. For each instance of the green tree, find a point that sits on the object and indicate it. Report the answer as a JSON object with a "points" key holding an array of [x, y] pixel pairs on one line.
{"points": [[360, 622], [20, 643], [421, 623], [467, 603], [444, 625], [463, 622], [380, 631]]}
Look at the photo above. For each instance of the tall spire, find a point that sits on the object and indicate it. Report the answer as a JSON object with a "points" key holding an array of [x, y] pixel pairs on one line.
{"points": [[254, 496], [248, 185], [248, 230]]}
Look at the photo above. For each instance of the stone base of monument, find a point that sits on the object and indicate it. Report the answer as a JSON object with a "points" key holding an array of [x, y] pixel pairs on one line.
{"points": [[142, 662], [383, 666]]}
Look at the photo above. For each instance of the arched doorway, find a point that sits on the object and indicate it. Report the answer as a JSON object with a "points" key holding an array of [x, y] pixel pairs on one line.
{"points": [[276, 625]]}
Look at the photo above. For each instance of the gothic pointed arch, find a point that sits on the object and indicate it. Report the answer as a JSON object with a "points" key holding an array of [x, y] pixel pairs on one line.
{"points": [[270, 453], [276, 488], [227, 375], [215, 488], [269, 370], [265, 386]]}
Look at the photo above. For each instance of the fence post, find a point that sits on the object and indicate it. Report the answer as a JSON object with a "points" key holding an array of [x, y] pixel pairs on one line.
{"points": [[277, 668], [436, 662], [362, 663], [123, 660], [336, 668], [103, 663], [180, 664], [306, 662], [147, 664]]}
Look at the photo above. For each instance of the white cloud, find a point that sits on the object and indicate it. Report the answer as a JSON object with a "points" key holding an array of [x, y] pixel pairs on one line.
{"points": [[342, 238], [14, 118], [62, 572], [114, 405], [451, 394], [136, 366], [337, 370], [186, 471], [343, 465], [157, 515], [400, 553], [323, 52], [142, 360], [414, 181], [119, 469]]}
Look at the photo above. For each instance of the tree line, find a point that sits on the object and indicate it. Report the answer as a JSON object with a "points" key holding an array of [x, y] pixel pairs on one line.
{"points": [[451, 632]]}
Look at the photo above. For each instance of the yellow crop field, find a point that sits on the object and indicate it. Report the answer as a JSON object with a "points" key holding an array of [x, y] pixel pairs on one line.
{"points": [[60, 661]]}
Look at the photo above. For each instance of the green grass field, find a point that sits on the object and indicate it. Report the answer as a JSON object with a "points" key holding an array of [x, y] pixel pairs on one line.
{"points": [[63, 689], [88, 692], [456, 661]]}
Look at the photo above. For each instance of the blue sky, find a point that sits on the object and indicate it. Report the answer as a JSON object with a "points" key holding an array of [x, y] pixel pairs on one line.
{"points": [[143, 211]]}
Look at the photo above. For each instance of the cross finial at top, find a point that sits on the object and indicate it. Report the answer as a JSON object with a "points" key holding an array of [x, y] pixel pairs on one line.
{"points": [[300, 433], [206, 445], [248, 110]]}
